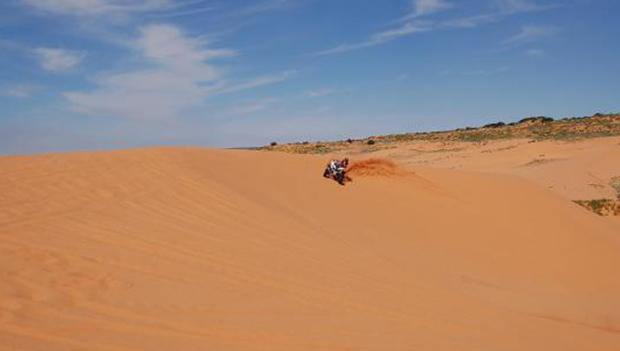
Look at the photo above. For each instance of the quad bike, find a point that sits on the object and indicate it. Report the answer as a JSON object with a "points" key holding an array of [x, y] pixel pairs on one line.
{"points": [[339, 174]]}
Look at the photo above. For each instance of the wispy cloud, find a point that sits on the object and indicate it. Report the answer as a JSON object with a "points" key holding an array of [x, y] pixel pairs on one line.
{"points": [[96, 7], [535, 52], [179, 69], [253, 106], [427, 7], [487, 71], [21, 90], [414, 25], [481, 72], [379, 38], [516, 6], [181, 73], [58, 60], [531, 33], [472, 21], [118, 11], [405, 30], [319, 92], [505, 8], [264, 6], [260, 81], [189, 12]]}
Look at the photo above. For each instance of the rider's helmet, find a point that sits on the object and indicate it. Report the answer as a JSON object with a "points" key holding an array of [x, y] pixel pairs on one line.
{"points": [[345, 161]]}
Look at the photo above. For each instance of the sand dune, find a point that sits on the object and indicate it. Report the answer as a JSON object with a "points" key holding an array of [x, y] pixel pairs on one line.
{"points": [[577, 170], [193, 249]]}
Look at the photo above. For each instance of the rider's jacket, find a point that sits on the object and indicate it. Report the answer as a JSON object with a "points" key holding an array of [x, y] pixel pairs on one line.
{"points": [[335, 166]]}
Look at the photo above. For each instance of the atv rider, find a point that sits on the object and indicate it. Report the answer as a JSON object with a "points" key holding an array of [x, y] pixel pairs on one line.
{"points": [[336, 170]]}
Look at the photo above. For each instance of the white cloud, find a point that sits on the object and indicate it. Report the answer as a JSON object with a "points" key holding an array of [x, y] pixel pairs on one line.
{"points": [[322, 109], [253, 106], [513, 6], [167, 46], [118, 11], [345, 48], [505, 8], [535, 52], [264, 6], [19, 90], [379, 38], [254, 83], [181, 13], [531, 33], [96, 7], [482, 72], [414, 25], [180, 74], [427, 7], [471, 21], [405, 30], [319, 92], [486, 72], [58, 60]]}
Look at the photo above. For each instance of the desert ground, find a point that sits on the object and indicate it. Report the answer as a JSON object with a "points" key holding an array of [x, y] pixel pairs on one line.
{"points": [[435, 246], [578, 170]]}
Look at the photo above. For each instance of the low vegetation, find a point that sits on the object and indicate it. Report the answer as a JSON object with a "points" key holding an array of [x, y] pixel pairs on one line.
{"points": [[536, 128], [605, 207], [602, 207], [615, 183]]}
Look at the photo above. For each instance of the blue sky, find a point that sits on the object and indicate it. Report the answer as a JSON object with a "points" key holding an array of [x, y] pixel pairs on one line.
{"points": [[100, 74]]}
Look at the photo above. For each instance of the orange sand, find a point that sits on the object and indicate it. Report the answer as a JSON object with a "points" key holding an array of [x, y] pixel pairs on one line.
{"points": [[577, 170], [193, 249]]}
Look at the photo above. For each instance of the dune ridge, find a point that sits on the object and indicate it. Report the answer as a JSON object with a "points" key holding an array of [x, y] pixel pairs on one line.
{"points": [[195, 249]]}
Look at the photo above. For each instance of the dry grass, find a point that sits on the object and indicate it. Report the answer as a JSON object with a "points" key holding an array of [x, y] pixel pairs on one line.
{"points": [[536, 128], [615, 183], [602, 207]]}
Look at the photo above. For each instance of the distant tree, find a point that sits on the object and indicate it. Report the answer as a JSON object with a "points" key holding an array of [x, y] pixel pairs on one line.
{"points": [[370, 142], [605, 114], [542, 119], [273, 143], [494, 125]]}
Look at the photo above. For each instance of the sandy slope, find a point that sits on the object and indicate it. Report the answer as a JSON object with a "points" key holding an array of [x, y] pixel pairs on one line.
{"points": [[577, 170], [191, 249]]}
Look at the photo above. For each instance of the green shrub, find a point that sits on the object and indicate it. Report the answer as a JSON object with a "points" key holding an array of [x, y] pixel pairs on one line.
{"points": [[494, 125]]}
